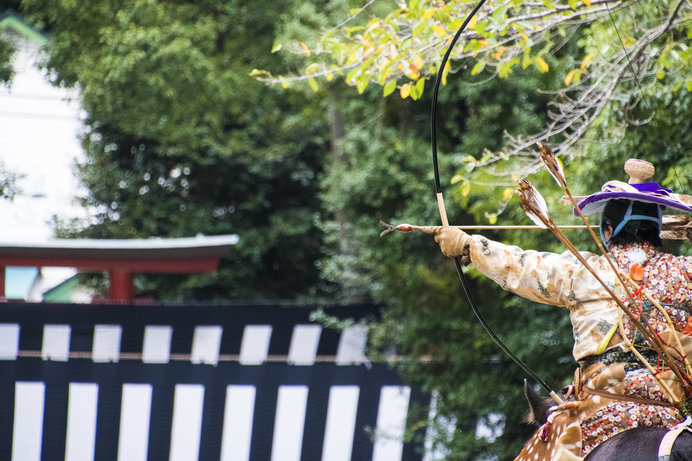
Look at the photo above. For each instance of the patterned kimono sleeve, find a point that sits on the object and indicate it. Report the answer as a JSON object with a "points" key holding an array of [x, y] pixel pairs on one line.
{"points": [[542, 277], [686, 265]]}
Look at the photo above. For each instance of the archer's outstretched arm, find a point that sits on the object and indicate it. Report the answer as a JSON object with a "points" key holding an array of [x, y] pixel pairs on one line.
{"points": [[549, 278]]}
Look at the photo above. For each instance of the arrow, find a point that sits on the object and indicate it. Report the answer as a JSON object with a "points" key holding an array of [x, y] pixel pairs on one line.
{"points": [[675, 227]]}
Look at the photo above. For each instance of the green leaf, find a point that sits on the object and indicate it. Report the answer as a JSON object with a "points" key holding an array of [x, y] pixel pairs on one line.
{"points": [[500, 13], [416, 90], [351, 76], [420, 85], [350, 30], [478, 67], [415, 5], [311, 68], [526, 60], [541, 65], [466, 190], [389, 88], [419, 29], [362, 83], [313, 84], [505, 68], [276, 47]]}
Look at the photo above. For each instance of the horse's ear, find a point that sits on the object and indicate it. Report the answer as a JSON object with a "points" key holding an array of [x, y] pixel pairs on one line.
{"points": [[538, 406]]}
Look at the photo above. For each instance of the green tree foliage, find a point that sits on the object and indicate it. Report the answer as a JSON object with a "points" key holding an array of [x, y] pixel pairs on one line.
{"points": [[388, 176], [7, 47], [8, 183], [6, 52], [173, 71], [270, 203], [621, 46], [181, 141]]}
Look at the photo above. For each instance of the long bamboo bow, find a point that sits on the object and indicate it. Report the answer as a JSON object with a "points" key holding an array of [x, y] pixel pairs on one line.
{"points": [[443, 213]]}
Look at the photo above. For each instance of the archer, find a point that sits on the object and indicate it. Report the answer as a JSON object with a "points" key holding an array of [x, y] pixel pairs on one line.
{"points": [[633, 369]]}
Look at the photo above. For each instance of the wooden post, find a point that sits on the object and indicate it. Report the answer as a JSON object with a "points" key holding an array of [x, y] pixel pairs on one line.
{"points": [[120, 285], [2, 283]]}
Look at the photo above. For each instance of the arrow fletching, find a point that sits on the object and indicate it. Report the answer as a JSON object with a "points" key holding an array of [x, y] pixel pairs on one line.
{"points": [[554, 165], [533, 204]]}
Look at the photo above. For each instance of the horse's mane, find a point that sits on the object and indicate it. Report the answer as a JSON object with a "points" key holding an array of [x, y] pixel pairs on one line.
{"points": [[539, 406]]}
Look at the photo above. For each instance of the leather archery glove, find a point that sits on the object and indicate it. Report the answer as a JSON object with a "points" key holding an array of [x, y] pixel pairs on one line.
{"points": [[453, 242]]}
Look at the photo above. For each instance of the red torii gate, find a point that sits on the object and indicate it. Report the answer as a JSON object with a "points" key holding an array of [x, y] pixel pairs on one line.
{"points": [[120, 258]]}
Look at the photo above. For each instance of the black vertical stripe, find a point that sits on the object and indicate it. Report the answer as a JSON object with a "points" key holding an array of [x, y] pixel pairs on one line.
{"points": [[161, 421], [132, 337], [366, 422], [54, 418], [280, 340], [315, 422], [181, 340], [81, 338], [212, 421], [7, 387], [108, 414], [263, 425], [31, 334]]}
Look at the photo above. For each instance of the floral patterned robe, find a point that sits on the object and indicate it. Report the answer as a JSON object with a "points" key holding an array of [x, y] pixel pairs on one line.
{"points": [[561, 280]]}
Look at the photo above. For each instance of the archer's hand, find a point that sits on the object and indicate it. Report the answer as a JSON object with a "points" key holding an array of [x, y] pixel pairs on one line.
{"points": [[453, 242]]}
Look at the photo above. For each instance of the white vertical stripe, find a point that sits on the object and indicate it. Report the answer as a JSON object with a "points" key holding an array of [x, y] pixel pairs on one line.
{"points": [[28, 421], [187, 422], [56, 342], [438, 426], [9, 341], [289, 423], [304, 343], [255, 345], [352, 343], [206, 343], [237, 423], [341, 423], [135, 413], [81, 421], [157, 344], [391, 423], [106, 343]]}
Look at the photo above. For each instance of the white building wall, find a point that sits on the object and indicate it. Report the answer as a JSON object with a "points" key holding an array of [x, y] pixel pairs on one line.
{"points": [[39, 127]]}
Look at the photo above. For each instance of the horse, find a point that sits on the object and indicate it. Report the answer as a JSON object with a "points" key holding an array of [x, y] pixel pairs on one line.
{"points": [[638, 444], [642, 444]]}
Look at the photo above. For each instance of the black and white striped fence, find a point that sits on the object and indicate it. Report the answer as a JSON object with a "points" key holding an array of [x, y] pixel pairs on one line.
{"points": [[230, 383]]}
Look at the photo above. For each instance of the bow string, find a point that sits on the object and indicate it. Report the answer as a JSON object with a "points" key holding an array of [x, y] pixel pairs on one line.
{"points": [[443, 213]]}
